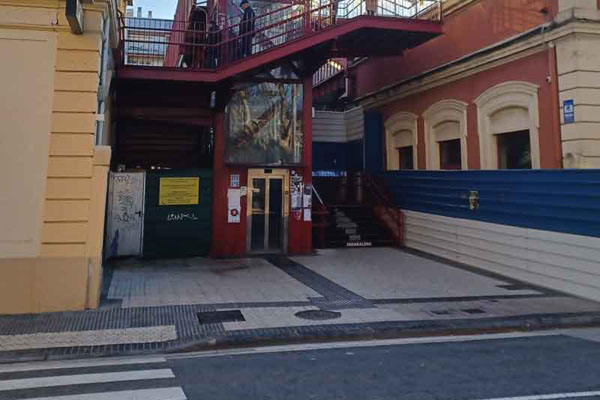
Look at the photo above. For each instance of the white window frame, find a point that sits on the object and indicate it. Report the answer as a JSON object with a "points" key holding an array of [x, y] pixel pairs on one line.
{"points": [[400, 121], [507, 95], [448, 110]]}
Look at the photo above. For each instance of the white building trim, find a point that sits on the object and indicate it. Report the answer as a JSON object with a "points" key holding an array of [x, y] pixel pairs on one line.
{"points": [[397, 128], [438, 114], [507, 95]]}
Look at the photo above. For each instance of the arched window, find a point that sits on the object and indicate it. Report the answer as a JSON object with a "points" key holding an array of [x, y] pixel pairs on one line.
{"points": [[446, 135], [401, 141], [508, 125]]}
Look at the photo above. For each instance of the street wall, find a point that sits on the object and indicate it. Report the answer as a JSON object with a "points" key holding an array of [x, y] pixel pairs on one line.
{"points": [[536, 226], [54, 176]]}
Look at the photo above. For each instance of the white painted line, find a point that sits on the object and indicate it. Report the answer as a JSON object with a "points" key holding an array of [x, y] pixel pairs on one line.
{"points": [[574, 395], [64, 380], [173, 393], [367, 343], [100, 362], [88, 338]]}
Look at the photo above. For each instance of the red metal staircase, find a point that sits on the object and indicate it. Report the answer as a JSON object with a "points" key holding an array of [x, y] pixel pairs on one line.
{"points": [[294, 34], [355, 212]]}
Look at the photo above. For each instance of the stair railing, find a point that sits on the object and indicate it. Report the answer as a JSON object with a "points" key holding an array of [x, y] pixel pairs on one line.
{"points": [[320, 217], [385, 209], [183, 43]]}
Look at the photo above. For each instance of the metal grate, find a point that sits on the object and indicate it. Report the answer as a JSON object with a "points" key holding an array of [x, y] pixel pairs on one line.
{"points": [[318, 315], [516, 286], [473, 311], [216, 317]]}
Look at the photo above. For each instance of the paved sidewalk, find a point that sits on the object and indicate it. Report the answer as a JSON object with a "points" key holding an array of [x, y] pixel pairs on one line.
{"points": [[185, 304]]}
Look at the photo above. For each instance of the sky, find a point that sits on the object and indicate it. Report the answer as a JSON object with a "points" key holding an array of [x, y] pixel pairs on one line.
{"points": [[164, 9]]}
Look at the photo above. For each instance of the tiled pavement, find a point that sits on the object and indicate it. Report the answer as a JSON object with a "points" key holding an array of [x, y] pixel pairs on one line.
{"points": [[152, 306]]}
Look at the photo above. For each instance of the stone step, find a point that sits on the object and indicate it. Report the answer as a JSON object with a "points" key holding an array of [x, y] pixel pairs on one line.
{"points": [[352, 243]]}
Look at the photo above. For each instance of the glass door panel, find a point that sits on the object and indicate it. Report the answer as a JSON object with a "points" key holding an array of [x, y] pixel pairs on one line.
{"points": [[275, 216], [258, 214]]}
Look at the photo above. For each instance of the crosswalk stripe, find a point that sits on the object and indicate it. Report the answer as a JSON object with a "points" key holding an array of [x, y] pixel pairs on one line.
{"points": [[174, 393], [553, 396], [64, 380], [47, 365]]}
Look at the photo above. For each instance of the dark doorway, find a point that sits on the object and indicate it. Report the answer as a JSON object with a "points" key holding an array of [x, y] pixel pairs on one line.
{"points": [[514, 150], [405, 157], [450, 154]]}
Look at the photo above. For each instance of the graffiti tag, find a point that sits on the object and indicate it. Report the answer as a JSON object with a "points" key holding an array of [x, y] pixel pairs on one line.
{"points": [[181, 217]]}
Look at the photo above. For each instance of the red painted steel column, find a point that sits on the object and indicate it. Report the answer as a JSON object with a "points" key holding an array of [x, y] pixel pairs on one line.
{"points": [[300, 231], [228, 239]]}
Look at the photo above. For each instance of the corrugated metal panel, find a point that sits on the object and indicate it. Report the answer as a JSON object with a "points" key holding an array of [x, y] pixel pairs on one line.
{"points": [[329, 126], [565, 201], [340, 127], [560, 261], [179, 230], [355, 123]]}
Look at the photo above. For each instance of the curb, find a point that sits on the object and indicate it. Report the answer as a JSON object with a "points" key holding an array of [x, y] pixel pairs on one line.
{"points": [[327, 333], [392, 330]]}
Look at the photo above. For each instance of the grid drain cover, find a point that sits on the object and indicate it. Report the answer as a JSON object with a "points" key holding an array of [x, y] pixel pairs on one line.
{"points": [[441, 312], [215, 317], [516, 286], [474, 311], [318, 315]]}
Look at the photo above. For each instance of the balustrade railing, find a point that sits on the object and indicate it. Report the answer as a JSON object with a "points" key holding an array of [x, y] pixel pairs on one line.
{"points": [[331, 68], [197, 43]]}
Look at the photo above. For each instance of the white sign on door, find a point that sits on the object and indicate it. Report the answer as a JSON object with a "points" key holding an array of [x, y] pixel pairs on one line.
{"points": [[234, 206]]}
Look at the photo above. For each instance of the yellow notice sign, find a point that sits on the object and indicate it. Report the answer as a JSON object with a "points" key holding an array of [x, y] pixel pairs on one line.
{"points": [[178, 191]]}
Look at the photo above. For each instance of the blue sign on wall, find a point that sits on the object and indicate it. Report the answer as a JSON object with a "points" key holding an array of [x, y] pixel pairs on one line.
{"points": [[569, 111]]}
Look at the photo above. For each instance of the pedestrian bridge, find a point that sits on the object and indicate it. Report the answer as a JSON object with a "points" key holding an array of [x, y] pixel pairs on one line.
{"points": [[196, 46]]}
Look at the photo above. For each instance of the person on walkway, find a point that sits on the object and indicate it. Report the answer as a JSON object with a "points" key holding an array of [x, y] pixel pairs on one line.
{"points": [[371, 6], [214, 42], [246, 28]]}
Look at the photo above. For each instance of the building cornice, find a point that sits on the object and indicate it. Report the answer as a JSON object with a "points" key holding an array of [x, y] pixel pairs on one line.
{"points": [[512, 49]]}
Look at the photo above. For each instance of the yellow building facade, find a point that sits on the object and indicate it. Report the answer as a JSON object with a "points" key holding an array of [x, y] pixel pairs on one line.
{"points": [[54, 136], [54, 180]]}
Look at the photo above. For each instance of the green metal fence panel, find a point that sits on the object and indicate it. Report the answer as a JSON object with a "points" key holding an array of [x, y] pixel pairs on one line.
{"points": [[177, 219]]}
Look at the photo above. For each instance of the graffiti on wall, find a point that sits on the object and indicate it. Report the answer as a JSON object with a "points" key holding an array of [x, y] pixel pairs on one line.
{"points": [[125, 213]]}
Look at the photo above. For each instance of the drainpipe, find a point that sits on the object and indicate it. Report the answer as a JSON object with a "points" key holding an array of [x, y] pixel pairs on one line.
{"points": [[346, 85], [103, 87]]}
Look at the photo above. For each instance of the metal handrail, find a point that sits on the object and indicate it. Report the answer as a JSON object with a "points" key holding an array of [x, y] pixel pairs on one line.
{"points": [[206, 49], [317, 194], [387, 205]]}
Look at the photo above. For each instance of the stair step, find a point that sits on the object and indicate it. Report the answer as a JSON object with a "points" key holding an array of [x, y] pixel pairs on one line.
{"points": [[355, 225], [359, 244], [378, 231], [346, 225]]}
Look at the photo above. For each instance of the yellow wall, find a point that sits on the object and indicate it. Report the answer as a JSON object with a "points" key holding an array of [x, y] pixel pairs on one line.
{"points": [[52, 215]]}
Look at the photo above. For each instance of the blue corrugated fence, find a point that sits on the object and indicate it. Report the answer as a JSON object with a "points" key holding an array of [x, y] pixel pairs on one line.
{"points": [[565, 201]]}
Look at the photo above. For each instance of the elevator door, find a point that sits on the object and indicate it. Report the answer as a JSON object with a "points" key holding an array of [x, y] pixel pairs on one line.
{"points": [[267, 213]]}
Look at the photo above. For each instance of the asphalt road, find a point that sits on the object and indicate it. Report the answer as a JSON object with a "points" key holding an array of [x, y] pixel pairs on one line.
{"points": [[485, 369], [520, 368]]}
